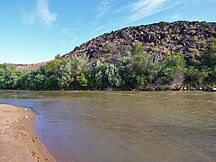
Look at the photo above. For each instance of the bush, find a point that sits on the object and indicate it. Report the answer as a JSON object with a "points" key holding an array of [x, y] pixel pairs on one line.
{"points": [[72, 74], [194, 77], [208, 59], [105, 75], [169, 67], [162, 23]]}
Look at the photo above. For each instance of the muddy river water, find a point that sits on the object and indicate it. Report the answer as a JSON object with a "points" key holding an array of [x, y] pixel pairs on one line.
{"points": [[123, 126]]}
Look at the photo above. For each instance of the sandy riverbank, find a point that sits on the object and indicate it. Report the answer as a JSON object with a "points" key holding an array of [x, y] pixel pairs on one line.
{"points": [[18, 139]]}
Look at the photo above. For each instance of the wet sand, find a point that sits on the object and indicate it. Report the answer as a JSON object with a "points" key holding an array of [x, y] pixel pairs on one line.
{"points": [[18, 139]]}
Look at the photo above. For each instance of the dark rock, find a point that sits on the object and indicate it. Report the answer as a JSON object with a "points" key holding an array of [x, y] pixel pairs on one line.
{"points": [[177, 37]]}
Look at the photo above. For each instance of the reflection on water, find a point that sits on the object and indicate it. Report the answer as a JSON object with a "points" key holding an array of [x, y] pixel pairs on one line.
{"points": [[123, 126]]}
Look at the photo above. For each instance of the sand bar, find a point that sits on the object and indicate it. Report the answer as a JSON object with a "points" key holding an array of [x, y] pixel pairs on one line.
{"points": [[18, 139]]}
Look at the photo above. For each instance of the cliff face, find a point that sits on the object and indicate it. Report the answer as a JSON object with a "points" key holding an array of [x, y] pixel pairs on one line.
{"points": [[159, 40]]}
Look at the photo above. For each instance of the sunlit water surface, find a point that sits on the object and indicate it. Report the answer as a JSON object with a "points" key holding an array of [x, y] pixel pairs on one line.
{"points": [[123, 126]]}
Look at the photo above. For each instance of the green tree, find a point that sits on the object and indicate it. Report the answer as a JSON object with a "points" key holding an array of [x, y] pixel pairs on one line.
{"points": [[73, 74], [208, 59], [195, 77], [170, 67], [105, 75]]}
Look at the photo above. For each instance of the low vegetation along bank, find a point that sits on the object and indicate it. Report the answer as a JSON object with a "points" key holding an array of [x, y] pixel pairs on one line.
{"points": [[134, 70]]}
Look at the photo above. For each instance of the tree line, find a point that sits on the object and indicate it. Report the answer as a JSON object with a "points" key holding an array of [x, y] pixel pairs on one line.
{"points": [[135, 70]]}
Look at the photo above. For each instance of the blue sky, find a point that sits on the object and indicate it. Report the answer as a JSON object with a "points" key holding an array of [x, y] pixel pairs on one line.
{"points": [[33, 31]]}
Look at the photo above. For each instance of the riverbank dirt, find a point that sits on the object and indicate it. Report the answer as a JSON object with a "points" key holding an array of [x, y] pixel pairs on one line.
{"points": [[18, 139]]}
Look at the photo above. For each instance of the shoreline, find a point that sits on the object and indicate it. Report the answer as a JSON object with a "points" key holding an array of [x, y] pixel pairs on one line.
{"points": [[201, 89], [18, 139]]}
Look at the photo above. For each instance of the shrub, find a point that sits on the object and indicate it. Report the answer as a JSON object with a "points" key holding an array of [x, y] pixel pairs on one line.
{"points": [[208, 59], [162, 23], [105, 75], [169, 67], [194, 77]]}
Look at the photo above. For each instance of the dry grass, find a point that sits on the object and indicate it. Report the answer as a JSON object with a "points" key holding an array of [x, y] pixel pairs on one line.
{"points": [[31, 66]]}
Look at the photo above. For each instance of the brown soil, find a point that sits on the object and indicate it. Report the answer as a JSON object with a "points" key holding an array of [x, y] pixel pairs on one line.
{"points": [[18, 139]]}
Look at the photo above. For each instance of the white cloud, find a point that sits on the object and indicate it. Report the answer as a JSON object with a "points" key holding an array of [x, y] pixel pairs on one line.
{"points": [[41, 14], [140, 9], [28, 19], [46, 16], [122, 14], [144, 8], [103, 8], [208, 1], [106, 6]]}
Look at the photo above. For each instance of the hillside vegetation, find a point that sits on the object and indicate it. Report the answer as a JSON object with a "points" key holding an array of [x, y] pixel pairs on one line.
{"points": [[163, 56]]}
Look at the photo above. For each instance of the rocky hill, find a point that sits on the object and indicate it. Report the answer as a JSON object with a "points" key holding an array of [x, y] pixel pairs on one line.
{"points": [[159, 39]]}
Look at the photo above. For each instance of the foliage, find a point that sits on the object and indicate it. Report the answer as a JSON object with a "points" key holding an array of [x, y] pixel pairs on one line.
{"points": [[208, 59], [162, 23], [165, 71], [10, 76], [73, 73], [195, 77], [134, 70], [52, 65], [105, 75]]}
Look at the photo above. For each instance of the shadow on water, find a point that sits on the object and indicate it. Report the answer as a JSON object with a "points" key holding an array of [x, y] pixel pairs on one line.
{"points": [[123, 126]]}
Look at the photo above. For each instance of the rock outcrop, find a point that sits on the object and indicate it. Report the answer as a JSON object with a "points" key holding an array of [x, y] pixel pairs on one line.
{"points": [[159, 40]]}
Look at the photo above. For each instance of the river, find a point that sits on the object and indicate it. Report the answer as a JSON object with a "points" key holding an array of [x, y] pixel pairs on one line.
{"points": [[123, 126]]}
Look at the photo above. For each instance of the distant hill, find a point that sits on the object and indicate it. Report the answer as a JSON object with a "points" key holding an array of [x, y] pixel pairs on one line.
{"points": [[159, 40], [30, 66]]}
